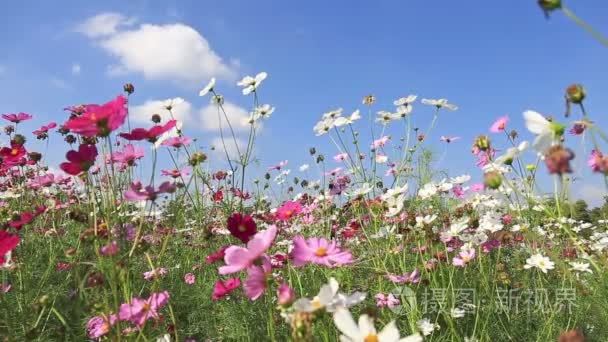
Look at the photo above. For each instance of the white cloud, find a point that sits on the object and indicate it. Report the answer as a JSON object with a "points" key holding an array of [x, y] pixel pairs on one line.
{"points": [[230, 147], [175, 52], [237, 116], [76, 69], [104, 24], [182, 110]]}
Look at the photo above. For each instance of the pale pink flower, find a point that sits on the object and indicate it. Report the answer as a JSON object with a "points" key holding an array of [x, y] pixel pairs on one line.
{"points": [[257, 279], [411, 278], [285, 294], [389, 300], [109, 249], [380, 142], [189, 278], [238, 258], [319, 251], [464, 257], [341, 157], [500, 124]]}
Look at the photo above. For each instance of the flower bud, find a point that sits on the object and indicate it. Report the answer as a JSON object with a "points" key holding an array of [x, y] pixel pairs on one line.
{"points": [[128, 88], [482, 142], [197, 158], [35, 156], [558, 160], [156, 118], [18, 139], [575, 93], [492, 179], [550, 5], [285, 295], [369, 100]]}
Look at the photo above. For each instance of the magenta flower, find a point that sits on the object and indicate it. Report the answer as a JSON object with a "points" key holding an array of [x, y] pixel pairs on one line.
{"points": [[285, 294], [149, 134], [189, 278], [238, 258], [177, 142], [110, 249], [140, 310], [138, 193], [464, 257], [99, 120], [288, 210], [79, 161], [318, 251], [578, 128], [257, 279], [16, 118], [223, 288], [499, 125], [44, 130]]}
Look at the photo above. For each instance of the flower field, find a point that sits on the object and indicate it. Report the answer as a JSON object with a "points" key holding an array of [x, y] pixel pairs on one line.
{"points": [[140, 233]]}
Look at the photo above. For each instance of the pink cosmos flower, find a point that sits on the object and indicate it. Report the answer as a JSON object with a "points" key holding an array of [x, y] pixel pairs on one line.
{"points": [[285, 294], [16, 118], [128, 155], [138, 193], [341, 157], [279, 166], [43, 181], [238, 258], [177, 173], [109, 249], [458, 191], [257, 279], [389, 300], [177, 142], [288, 210], [157, 273], [189, 278], [140, 310], [380, 142], [223, 288], [318, 251], [334, 172], [99, 120], [464, 257], [407, 278], [79, 161], [44, 130], [8, 242], [499, 125], [98, 326], [216, 256], [598, 162], [578, 128], [149, 134], [477, 187]]}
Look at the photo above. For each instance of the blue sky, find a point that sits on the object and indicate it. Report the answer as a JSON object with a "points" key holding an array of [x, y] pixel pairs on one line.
{"points": [[489, 58]]}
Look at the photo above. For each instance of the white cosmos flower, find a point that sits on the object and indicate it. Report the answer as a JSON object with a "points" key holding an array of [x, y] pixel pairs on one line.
{"points": [[440, 103], [394, 192], [513, 153], [580, 267], [329, 299], [323, 126], [428, 190], [333, 114], [263, 111], [405, 101], [381, 158], [461, 179], [457, 312], [304, 167], [385, 232], [170, 103], [539, 261], [365, 331], [208, 87], [425, 220], [543, 128], [361, 191], [250, 84], [426, 327], [385, 117], [395, 205]]}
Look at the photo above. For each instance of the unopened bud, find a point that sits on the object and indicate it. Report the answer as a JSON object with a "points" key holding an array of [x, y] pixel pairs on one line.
{"points": [[156, 118], [558, 159], [128, 88], [575, 93], [197, 158], [482, 142], [492, 179]]}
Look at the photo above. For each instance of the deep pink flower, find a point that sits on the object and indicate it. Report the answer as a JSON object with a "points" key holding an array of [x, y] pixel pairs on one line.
{"points": [[500, 124], [99, 120], [216, 256], [79, 161], [44, 130], [149, 134], [223, 288], [8, 242], [13, 156], [16, 118], [241, 226], [176, 173], [140, 310], [238, 258], [189, 278], [257, 278], [138, 193], [288, 210], [318, 251], [177, 142]]}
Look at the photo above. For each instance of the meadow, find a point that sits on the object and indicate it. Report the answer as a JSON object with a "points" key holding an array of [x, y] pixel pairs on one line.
{"points": [[366, 242]]}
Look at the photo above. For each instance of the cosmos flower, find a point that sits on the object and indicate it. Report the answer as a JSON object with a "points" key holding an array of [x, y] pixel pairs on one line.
{"points": [[407, 278], [464, 257], [151, 134], [99, 120], [176, 142], [16, 118], [328, 299], [189, 278], [128, 156], [500, 124], [238, 258], [224, 288], [365, 331], [241, 226], [140, 310], [208, 88], [288, 210], [319, 251], [137, 192], [79, 161], [251, 84], [8, 242], [439, 103], [448, 139], [43, 131], [257, 277], [389, 300], [539, 261], [545, 130]]}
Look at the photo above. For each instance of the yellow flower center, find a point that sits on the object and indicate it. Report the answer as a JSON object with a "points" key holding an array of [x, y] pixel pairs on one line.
{"points": [[14, 152], [321, 252], [316, 303], [242, 228], [371, 338]]}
